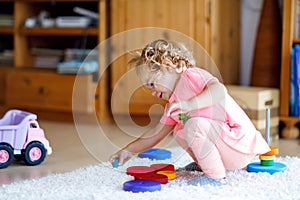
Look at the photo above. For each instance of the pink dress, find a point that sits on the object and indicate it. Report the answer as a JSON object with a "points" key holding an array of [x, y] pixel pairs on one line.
{"points": [[214, 134]]}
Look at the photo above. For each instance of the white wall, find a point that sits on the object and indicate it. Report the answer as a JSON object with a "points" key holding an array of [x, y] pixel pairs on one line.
{"points": [[250, 16]]}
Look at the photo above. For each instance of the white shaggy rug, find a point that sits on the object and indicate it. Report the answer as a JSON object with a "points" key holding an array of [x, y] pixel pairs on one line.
{"points": [[104, 182]]}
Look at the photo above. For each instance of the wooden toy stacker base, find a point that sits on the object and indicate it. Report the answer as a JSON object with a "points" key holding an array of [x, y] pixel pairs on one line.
{"points": [[257, 167]]}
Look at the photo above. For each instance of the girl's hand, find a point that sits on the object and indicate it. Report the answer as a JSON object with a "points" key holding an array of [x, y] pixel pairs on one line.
{"points": [[123, 156], [178, 107]]}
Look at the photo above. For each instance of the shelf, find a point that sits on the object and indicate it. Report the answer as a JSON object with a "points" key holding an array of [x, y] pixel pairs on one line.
{"points": [[72, 1], [6, 66], [6, 30], [296, 41], [58, 31], [289, 121]]}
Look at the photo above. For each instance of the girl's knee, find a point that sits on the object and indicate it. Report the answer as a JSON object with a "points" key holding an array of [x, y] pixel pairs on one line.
{"points": [[198, 128], [195, 125], [203, 128]]}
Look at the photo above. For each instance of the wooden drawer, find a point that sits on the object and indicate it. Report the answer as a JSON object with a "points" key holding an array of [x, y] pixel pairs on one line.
{"points": [[50, 91]]}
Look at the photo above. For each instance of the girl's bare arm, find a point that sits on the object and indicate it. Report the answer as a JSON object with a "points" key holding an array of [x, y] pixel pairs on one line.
{"points": [[149, 138], [146, 141]]}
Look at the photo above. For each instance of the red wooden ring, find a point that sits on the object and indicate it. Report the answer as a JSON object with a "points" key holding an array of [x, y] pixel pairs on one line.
{"points": [[163, 179], [138, 170], [163, 167]]}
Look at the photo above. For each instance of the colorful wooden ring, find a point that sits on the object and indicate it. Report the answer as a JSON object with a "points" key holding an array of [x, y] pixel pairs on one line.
{"points": [[163, 167], [163, 179], [170, 174], [267, 162], [139, 170], [274, 151], [155, 154], [141, 186], [266, 157], [257, 167]]}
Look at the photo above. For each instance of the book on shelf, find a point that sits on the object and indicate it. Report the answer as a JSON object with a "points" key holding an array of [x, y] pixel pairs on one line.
{"points": [[46, 61], [294, 104], [80, 54], [79, 61], [67, 60], [46, 57], [6, 20], [47, 51], [7, 58]]}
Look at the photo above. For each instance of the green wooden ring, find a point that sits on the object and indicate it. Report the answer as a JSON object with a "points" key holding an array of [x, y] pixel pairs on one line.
{"points": [[267, 162]]}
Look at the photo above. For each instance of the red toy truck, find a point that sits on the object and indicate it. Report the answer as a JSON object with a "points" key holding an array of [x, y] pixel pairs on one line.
{"points": [[22, 138]]}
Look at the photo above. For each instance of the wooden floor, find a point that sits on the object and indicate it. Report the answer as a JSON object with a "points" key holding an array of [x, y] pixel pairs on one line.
{"points": [[90, 144]]}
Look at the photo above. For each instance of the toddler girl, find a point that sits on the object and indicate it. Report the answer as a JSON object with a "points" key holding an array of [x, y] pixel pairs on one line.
{"points": [[203, 117]]}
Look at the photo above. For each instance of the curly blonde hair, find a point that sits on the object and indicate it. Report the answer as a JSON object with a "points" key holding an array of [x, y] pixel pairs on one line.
{"points": [[169, 53]]}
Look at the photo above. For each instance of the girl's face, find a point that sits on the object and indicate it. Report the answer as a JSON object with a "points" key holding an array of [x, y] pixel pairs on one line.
{"points": [[161, 82]]}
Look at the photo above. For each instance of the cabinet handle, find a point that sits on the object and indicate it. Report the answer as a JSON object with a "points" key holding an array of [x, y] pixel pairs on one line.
{"points": [[41, 90], [27, 81]]}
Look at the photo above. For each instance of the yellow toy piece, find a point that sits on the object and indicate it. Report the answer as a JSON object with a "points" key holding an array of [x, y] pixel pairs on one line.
{"points": [[266, 157], [170, 174]]}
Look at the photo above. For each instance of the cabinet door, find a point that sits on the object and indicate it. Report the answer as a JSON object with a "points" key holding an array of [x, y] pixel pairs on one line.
{"points": [[47, 91], [2, 86], [189, 17]]}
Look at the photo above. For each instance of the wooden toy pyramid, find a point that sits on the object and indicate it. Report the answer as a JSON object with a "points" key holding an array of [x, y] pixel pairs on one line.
{"points": [[267, 161]]}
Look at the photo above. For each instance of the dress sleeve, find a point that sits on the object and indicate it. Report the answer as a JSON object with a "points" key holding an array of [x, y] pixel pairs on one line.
{"points": [[191, 83], [198, 79], [165, 119]]}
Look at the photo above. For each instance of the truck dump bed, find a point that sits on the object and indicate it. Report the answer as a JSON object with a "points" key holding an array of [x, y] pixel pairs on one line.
{"points": [[13, 127]]}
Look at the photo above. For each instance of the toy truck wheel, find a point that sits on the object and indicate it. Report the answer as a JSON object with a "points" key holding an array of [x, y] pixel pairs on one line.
{"points": [[6, 155], [35, 153]]}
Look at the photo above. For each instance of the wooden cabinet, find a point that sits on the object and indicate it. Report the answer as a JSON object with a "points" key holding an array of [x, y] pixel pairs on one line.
{"points": [[28, 86], [287, 43], [212, 24]]}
